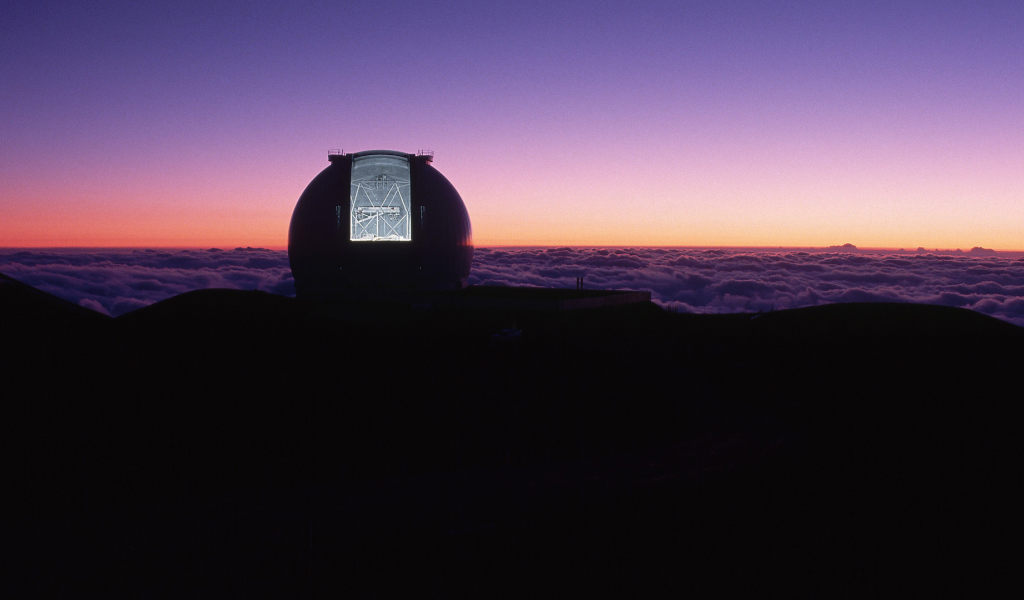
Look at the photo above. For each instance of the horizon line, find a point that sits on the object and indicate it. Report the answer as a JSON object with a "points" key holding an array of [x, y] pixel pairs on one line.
{"points": [[845, 247]]}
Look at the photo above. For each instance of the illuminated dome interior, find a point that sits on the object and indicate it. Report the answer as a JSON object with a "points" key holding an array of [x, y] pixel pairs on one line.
{"points": [[379, 220]]}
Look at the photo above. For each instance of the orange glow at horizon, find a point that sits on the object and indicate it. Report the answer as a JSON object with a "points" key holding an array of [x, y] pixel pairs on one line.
{"points": [[707, 199], [268, 228]]}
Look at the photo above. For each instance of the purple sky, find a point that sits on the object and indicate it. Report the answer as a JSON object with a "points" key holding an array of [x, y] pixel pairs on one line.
{"points": [[885, 124]]}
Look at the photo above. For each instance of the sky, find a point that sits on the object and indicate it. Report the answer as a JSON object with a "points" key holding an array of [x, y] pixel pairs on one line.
{"points": [[177, 124]]}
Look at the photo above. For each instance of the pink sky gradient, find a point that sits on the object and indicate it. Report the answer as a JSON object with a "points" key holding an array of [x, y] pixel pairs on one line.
{"points": [[676, 124]]}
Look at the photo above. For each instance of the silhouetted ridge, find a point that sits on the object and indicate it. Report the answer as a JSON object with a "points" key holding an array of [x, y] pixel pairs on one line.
{"points": [[39, 328], [21, 304], [215, 305], [223, 439], [859, 318]]}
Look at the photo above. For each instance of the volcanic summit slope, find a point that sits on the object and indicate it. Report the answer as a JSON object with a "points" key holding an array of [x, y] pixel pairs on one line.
{"points": [[243, 443]]}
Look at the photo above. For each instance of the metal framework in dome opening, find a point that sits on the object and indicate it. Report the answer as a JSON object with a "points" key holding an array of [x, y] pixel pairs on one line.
{"points": [[379, 201]]}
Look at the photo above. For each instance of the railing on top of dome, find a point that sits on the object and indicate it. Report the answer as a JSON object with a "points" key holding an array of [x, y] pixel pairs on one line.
{"points": [[335, 152], [428, 153]]}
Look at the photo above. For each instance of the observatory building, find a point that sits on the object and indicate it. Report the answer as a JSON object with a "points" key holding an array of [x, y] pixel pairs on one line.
{"points": [[379, 220]]}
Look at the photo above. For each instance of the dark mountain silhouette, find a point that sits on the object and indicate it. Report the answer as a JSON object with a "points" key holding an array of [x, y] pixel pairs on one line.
{"points": [[26, 306], [225, 442]]}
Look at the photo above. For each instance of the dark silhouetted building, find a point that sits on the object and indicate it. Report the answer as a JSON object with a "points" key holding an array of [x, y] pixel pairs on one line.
{"points": [[379, 220]]}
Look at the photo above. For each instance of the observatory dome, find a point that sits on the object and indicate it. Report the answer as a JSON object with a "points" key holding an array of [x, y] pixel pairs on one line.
{"points": [[379, 220]]}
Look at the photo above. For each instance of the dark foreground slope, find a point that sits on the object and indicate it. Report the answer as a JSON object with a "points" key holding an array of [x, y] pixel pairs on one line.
{"points": [[236, 443]]}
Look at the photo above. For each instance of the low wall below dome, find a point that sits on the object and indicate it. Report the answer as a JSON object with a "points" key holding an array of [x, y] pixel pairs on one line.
{"points": [[507, 298]]}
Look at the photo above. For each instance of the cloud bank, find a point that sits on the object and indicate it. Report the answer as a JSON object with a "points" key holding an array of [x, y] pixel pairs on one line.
{"points": [[691, 280], [728, 280], [118, 281]]}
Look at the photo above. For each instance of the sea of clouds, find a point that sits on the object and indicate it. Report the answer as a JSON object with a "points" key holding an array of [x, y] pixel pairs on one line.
{"points": [[691, 280]]}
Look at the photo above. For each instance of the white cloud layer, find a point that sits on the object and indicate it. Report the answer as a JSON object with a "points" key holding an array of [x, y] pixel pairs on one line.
{"points": [[720, 280], [693, 280], [118, 281]]}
